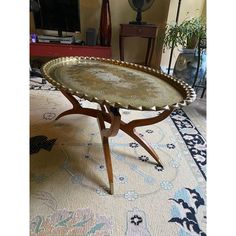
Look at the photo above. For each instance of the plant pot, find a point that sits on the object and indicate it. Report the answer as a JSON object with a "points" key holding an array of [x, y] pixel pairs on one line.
{"points": [[186, 66]]}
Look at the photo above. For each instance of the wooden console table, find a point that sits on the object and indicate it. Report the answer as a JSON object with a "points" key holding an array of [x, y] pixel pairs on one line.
{"points": [[148, 31], [61, 50]]}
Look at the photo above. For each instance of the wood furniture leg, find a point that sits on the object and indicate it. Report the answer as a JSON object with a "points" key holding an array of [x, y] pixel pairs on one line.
{"points": [[151, 51], [105, 134], [145, 145], [113, 117], [76, 106], [147, 59], [121, 47], [129, 128]]}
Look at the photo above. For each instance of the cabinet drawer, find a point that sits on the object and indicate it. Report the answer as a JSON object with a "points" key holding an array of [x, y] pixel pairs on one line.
{"points": [[138, 31]]}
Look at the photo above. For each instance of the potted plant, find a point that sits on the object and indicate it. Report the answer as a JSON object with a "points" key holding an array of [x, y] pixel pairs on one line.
{"points": [[186, 34]]}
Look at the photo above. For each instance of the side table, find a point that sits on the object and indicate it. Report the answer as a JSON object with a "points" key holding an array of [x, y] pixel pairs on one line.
{"points": [[148, 31], [77, 76]]}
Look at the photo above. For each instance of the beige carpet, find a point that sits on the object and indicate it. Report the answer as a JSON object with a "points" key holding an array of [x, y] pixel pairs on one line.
{"points": [[69, 180]]}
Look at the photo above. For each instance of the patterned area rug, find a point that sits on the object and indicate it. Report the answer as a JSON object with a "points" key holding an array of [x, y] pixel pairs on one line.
{"points": [[69, 180]]}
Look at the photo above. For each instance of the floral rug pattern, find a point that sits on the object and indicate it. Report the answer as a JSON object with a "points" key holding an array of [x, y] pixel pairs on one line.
{"points": [[69, 180], [65, 222]]}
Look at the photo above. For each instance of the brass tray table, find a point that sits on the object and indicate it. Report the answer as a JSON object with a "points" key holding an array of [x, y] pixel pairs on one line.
{"points": [[117, 85]]}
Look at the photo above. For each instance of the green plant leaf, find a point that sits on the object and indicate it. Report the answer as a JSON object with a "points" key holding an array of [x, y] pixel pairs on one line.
{"points": [[180, 35]]}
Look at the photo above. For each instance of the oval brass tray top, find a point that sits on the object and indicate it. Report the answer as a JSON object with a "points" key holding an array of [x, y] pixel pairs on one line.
{"points": [[117, 83]]}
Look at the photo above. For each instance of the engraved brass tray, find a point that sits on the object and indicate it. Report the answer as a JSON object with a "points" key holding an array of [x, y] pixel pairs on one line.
{"points": [[117, 83]]}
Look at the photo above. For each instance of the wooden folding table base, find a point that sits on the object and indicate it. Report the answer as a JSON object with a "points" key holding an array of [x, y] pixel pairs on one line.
{"points": [[111, 115]]}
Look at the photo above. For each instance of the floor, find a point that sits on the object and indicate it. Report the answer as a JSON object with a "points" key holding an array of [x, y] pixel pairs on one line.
{"points": [[69, 183]]}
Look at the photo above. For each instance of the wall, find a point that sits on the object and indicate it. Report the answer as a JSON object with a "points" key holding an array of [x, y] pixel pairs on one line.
{"points": [[135, 48], [204, 14], [162, 11], [121, 12]]}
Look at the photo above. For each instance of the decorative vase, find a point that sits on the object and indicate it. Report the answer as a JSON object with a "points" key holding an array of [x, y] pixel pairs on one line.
{"points": [[105, 24], [186, 66]]}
